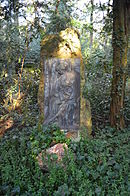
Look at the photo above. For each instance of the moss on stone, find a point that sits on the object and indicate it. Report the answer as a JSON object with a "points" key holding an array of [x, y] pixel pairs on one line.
{"points": [[66, 44]]}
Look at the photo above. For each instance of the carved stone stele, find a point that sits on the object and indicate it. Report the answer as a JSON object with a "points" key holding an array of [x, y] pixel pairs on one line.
{"points": [[60, 95]]}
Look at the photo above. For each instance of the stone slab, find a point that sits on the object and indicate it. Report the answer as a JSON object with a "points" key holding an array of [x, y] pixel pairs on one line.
{"points": [[62, 92]]}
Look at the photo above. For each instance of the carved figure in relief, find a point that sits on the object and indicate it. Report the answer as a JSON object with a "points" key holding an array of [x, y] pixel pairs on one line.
{"points": [[62, 105]]}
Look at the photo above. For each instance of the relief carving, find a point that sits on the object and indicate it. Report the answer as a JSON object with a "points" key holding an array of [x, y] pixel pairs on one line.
{"points": [[62, 92]]}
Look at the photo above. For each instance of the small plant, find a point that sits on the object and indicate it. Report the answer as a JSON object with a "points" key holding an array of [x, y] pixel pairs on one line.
{"points": [[46, 136]]}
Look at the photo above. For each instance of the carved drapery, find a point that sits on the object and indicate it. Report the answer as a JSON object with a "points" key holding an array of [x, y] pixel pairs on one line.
{"points": [[62, 92]]}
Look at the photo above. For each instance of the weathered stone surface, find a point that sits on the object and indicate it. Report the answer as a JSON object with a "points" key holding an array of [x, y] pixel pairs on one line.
{"points": [[62, 92], [63, 46]]}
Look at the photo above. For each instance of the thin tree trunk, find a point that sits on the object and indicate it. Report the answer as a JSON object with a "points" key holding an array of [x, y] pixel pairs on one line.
{"points": [[91, 23], [120, 46], [57, 5], [16, 34], [22, 64]]}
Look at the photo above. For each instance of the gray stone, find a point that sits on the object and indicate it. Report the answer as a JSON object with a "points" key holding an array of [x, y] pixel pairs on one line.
{"points": [[62, 92]]}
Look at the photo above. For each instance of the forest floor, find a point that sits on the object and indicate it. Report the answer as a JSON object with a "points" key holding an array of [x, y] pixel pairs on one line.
{"points": [[97, 166]]}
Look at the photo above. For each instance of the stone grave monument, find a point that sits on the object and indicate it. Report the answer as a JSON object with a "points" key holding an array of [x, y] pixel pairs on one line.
{"points": [[60, 95]]}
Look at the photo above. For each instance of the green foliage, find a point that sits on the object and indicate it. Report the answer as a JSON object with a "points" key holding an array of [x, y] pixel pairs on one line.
{"points": [[90, 167], [30, 82], [27, 111], [59, 16], [19, 172], [126, 110], [98, 85], [43, 137]]}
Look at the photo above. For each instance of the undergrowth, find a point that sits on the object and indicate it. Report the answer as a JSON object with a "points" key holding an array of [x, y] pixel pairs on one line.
{"points": [[96, 166]]}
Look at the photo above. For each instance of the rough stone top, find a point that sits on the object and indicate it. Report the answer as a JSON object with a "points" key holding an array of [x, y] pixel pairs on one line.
{"points": [[66, 44]]}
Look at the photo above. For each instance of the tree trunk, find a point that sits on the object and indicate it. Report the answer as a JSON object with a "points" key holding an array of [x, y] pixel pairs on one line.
{"points": [[120, 46]]}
